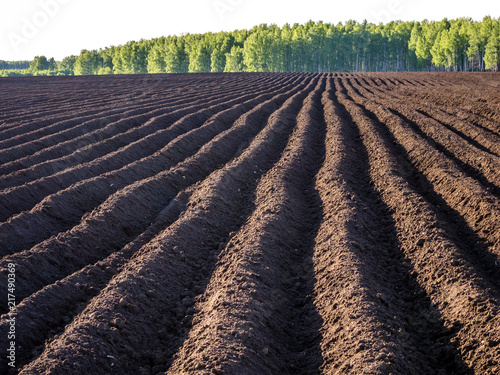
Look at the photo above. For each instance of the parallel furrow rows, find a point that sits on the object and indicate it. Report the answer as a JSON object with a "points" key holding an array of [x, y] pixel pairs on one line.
{"points": [[150, 316], [260, 291], [365, 284], [464, 290], [129, 211], [144, 157], [481, 137], [67, 141], [83, 102], [463, 193], [92, 278], [41, 127], [37, 130], [103, 93], [251, 223], [475, 109], [153, 90], [60, 211], [472, 157]]}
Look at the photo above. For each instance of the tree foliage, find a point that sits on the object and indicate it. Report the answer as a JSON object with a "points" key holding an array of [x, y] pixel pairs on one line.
{"points": [[156, 57], [68, 63], [11, 65], [234, 60], [454, 45], [39, 63], [88, 63]]}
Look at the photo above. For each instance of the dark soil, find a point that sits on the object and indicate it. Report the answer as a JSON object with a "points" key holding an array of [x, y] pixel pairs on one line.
{"points": [[251, 224]]}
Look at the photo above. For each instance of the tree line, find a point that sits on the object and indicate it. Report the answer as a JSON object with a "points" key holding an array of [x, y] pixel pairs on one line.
{"points": [[14, 65], [453, 45]]}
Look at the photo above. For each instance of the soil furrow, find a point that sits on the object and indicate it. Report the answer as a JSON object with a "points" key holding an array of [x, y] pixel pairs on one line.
{"points": [[479, 255], [467, 301], [480, 138], [479, 208], [144, 155], [250, 223], [158, 313], [129, 211], [111, 136], [51, 147], [36, 130], [42, 121], [362, 274], [52, 166], [111, 93], [474, 99], [481, 166], [472, 158], [179, 94], [52, 215], [270, 320], [73, 293]]}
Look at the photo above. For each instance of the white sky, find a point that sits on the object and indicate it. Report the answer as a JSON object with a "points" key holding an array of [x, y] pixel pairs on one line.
{"points": [[59, 28]]}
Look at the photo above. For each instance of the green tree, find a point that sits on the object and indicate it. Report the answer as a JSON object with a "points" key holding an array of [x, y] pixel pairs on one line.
{"points": [[422, 40], [218, 60], [257, 50], [88, 63], [199, 52], [460, 44], [52, 64], [156, 58], [277, 51], [105, 71], [176, 58], [126, 58], [106, 56], [14, 64], [140, 58], [39, 63], [286, 47], [221, 44], [454, 45], [477, 44], [234, 60], [134, 58], [298, 48], [118, 65], [438, 52], [67, 64], [492, 49]]}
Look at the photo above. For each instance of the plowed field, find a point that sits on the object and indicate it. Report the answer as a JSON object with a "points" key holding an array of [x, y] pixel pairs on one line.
{"points": [[250, 224]]}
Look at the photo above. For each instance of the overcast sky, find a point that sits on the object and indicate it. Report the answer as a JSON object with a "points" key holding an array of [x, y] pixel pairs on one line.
{"points": [[59, 28]]}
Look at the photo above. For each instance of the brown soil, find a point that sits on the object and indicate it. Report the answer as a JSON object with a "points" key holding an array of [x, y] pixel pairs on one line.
{"points": [[251, 224]]}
